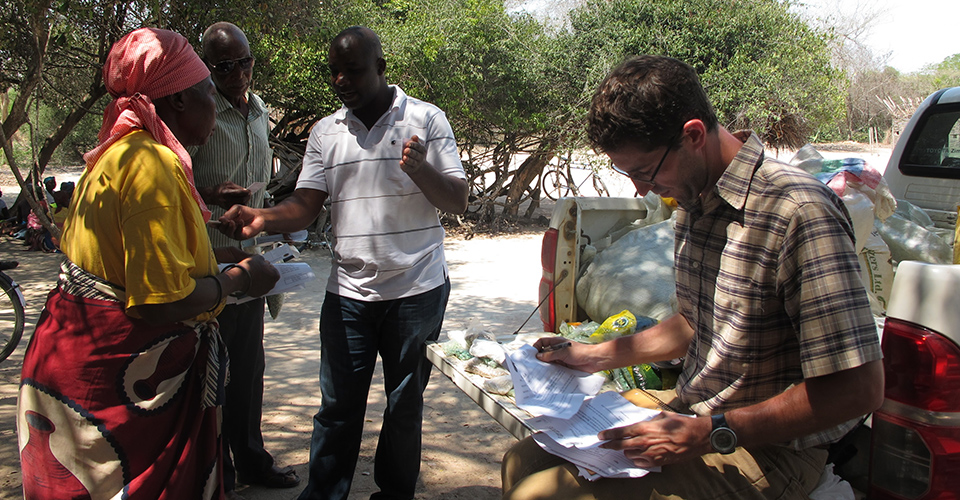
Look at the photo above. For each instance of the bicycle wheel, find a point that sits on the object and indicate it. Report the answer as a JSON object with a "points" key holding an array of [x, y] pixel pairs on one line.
{"points": [[554, 184], [11, 316]]}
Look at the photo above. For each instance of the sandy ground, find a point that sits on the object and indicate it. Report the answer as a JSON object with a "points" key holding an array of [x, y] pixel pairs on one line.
{"points": [[494, 285]]}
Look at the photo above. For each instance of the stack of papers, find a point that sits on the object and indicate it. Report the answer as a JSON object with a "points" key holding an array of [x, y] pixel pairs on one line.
{"points": [[568, 416], [293, 275]]}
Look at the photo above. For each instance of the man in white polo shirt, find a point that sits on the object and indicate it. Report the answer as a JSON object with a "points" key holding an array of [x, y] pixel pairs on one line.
{"points": [[388, 162]]}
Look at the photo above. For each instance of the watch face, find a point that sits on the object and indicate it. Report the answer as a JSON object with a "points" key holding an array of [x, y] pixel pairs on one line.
{"points": [[723, 440]]}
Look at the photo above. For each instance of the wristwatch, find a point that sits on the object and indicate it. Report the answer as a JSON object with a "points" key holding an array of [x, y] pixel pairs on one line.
{"points": [[722, 438]]}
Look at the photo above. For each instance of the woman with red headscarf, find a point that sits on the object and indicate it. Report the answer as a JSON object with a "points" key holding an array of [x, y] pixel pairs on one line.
{"points": [[123, 376]]}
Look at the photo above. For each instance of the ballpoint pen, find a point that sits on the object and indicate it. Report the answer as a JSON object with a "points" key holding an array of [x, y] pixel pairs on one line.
{"points": [[555, 347]]}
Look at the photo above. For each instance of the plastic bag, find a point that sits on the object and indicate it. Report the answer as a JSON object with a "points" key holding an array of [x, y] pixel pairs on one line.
{"points": [[618, 325], [876, 271], [486, 368], [579, 332], [498, 385], [832, 487], [635, 273], [911, 235], [861, 187], [490, 349]]}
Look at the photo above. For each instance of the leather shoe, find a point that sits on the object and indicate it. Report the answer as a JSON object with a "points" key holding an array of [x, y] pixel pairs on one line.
{"points": [[233, 495], [275, 477]]}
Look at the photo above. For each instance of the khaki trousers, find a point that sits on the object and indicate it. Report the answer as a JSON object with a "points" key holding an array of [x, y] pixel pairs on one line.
{"points": [[765, 472]]}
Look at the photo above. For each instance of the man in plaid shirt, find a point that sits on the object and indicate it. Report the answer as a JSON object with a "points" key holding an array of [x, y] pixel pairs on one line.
{"points": [[781, 352]]}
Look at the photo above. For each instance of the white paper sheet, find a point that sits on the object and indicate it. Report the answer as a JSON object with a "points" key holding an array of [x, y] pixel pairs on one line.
{"points": [[256, 186], [293, 275], [547, 388], [600, 461], [605, 411]]}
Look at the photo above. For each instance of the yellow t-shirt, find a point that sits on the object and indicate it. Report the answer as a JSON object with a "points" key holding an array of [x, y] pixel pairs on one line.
{"points": [[134, 223]]}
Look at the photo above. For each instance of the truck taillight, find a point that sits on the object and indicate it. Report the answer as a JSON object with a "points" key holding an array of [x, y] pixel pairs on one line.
{"points": [[548, 250], [548, 261], [922, 367], [915, 451]]}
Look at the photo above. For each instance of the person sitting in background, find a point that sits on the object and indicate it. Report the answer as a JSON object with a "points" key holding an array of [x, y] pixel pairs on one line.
{"points": [[124, 374], [60, 210], [49, 186], [4, 211]]}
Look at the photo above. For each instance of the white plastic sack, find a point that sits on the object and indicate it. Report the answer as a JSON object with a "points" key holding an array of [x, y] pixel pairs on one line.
{"points": [[832, 487], [635, 273], [657, 211], [911, 235], [876, 271], [861, 187], [861, 213]]}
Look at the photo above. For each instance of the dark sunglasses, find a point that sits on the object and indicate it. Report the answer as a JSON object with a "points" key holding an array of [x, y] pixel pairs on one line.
{"points": [[634, 176], [224, 67]]}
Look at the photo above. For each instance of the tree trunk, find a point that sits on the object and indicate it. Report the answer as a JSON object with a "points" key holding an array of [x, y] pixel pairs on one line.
{"points": [[528, 171], [31, 79]]}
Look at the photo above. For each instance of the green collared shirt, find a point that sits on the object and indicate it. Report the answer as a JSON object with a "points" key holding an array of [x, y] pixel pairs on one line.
{"points": [[238, 151]]}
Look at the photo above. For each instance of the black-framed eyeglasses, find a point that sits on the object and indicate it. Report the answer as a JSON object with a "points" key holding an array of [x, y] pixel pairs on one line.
{"points": [[636, 178], [225, 67]]}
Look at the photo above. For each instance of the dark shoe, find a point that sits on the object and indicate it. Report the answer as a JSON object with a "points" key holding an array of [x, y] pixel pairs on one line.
{"points": [[274, 478], [233, 495]]}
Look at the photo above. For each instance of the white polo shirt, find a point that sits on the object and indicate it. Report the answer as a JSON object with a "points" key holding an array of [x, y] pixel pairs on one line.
{"points": [[389, 241]]}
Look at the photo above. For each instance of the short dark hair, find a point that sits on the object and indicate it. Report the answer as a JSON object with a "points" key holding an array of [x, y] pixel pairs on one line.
{"points": [[367, 37], [645, 101]]}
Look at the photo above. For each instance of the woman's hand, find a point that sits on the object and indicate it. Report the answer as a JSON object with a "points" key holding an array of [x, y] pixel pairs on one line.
{"points": [[263, 276]]}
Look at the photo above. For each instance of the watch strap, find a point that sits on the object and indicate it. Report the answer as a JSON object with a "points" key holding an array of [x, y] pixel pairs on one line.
{"points": [[719, 421], [723, 439]]}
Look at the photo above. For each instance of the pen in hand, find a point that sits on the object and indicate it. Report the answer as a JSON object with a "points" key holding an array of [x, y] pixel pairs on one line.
{"points": [[555, 347]]}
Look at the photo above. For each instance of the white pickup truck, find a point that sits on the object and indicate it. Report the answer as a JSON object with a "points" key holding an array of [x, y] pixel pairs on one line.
{"points": [[924, 167], [911, 449]]}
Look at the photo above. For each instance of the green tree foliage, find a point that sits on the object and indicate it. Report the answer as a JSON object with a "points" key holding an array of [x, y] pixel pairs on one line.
{"points": [[947, 72], [762, 66], [486, 70], [51, 54], [514, 88]]}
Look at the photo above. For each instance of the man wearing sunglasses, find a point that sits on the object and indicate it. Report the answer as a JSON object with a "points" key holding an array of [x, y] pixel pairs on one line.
{"points": [[237, 155], [781, 353]]}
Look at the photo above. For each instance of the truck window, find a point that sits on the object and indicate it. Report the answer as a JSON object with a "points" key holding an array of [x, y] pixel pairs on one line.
{"points": [[934, 150]]}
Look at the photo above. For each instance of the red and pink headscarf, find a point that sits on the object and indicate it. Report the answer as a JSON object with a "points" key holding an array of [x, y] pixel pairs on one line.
{"points": [[144, 65]]}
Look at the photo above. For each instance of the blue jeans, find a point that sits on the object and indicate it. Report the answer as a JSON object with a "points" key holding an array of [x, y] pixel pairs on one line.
{"points": [[352, 333]]}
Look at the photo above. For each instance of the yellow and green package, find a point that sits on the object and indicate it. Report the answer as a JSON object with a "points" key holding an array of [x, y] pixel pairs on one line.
{"points": [[615, 326], [647, 377]]}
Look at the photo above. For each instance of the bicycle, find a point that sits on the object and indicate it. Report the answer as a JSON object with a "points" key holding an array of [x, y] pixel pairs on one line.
{"points": [[557, 180], [12, 307]]}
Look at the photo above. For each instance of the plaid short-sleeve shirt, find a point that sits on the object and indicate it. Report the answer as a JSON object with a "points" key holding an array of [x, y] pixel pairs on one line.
{"points": [[768, 276]]}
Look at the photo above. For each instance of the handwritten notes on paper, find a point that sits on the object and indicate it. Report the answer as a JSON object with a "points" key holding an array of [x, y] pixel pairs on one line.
{"points": [[606, 411], [547, 388], [576, 440], [568, 417]]}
